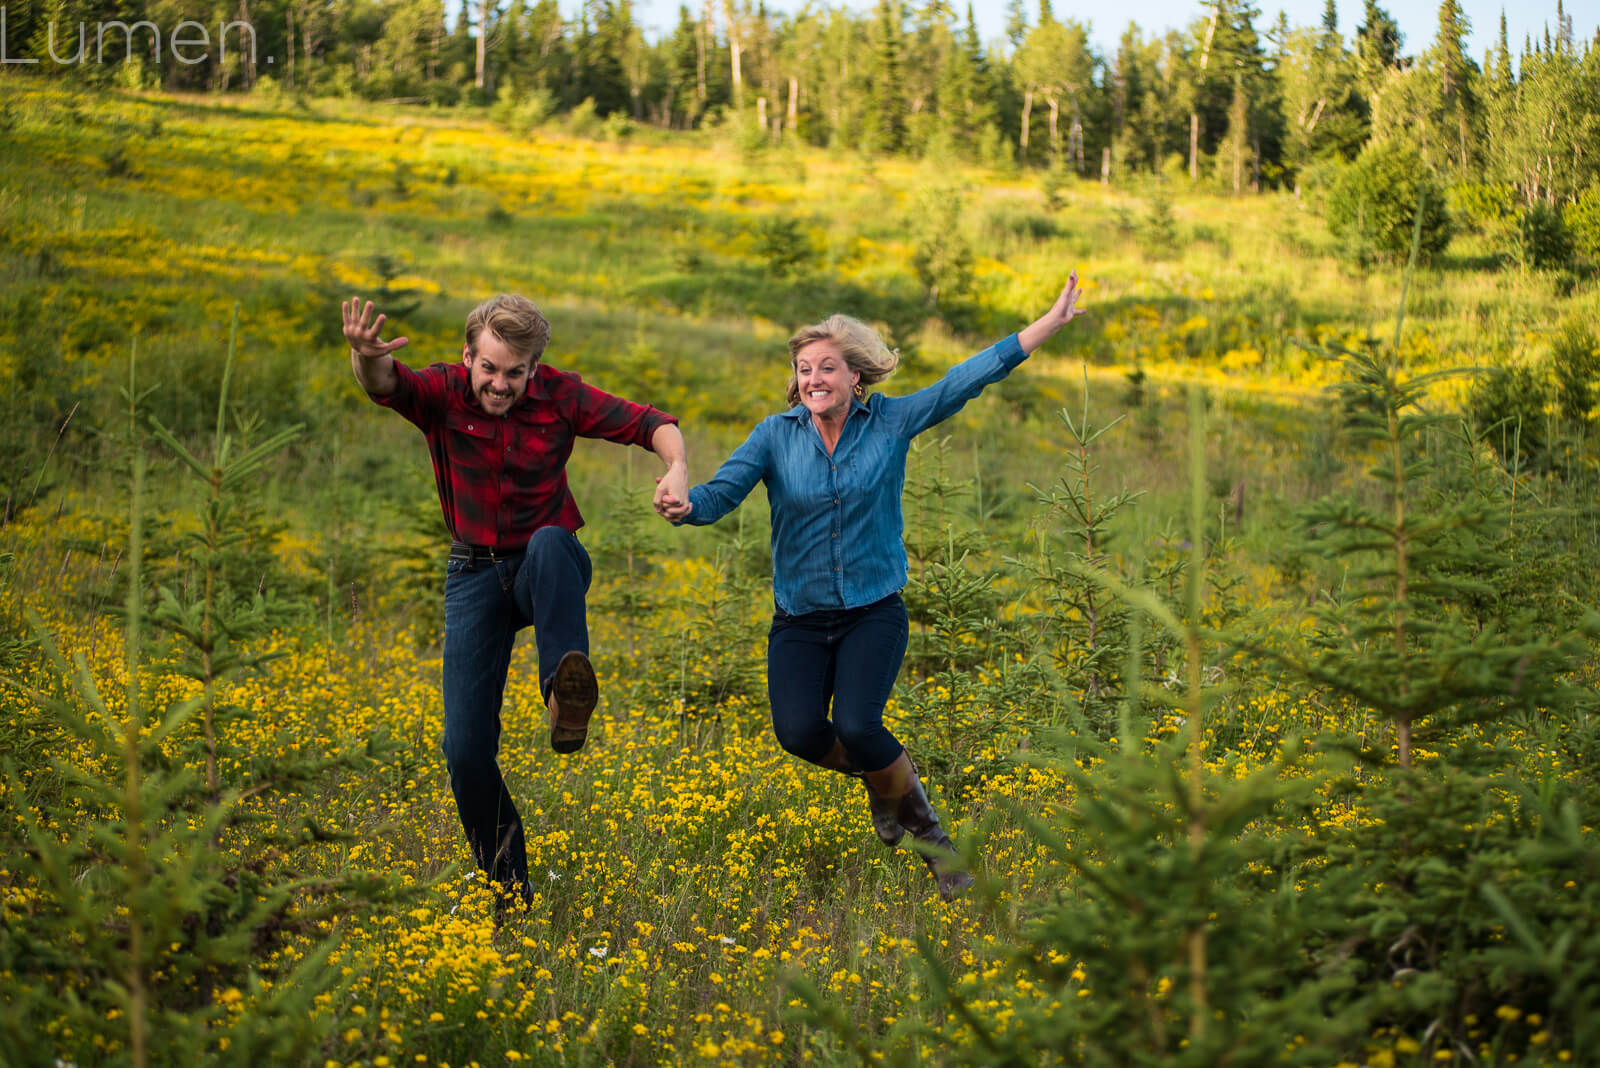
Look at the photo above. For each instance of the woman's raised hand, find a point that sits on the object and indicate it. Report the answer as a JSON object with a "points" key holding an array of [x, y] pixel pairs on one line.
{"points": [[1062, 312]]}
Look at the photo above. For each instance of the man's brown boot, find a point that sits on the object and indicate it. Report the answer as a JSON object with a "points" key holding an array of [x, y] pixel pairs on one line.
{"points": [[899, 785], [574, 692], [884, 824]]}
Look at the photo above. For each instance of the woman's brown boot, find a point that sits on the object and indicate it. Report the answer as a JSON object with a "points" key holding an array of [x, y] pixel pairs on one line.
{"points": [[883, 809], [899, 786]]}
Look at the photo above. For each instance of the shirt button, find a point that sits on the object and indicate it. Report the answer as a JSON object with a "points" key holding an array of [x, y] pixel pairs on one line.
{"points": [[469, 426]]}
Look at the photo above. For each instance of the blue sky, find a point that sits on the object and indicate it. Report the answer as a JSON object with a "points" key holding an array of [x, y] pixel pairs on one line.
{"points": [[1418, 19]]}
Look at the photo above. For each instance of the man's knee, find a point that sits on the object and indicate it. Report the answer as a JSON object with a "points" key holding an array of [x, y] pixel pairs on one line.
{"points": [[553, 543], [552, 551], [469, 752]]}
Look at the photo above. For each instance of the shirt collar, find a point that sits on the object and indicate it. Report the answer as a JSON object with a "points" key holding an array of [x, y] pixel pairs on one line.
{"points": [[803, 414]]}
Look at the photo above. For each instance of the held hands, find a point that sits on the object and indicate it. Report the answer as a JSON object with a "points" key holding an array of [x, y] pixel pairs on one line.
{"points": [[672, 494], [1062, 312], [363, 332]]}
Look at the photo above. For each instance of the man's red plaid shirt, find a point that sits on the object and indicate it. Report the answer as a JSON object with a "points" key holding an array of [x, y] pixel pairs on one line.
{"points": [[502, 478]]}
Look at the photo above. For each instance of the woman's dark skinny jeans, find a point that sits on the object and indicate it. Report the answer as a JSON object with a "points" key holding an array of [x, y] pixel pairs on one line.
{"points": [[484, 607], [847, 659]]}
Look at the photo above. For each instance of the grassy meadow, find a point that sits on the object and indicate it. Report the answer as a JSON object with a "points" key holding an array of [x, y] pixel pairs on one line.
{"points": [[1157, 699]]}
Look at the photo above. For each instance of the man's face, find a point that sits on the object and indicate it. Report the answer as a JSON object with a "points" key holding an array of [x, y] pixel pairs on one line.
{"points": [[499, 376]]}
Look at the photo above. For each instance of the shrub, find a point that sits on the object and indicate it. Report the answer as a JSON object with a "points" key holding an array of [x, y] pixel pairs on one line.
{"points": [[1054, 185], [521, 112], [1540, 240], [996, 151], [1315, 180], [942, 256], [618, 127], [1575, 366], [1159, 226], [1009, 219], [783, 244], [583, 121], [1583, 223], [1482, 206], [1507, 406], [1373, 203]]}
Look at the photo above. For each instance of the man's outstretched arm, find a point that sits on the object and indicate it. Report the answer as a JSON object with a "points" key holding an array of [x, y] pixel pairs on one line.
{"points": [[672, 488], [370, 357]]}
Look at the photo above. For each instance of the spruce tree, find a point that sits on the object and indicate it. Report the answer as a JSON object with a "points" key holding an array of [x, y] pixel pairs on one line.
{"points": [[887, 131], [161, 879], [1457, 78], [1378, 43]]}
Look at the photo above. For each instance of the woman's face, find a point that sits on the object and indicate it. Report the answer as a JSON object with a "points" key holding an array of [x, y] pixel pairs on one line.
{"points": [[826, 382]]}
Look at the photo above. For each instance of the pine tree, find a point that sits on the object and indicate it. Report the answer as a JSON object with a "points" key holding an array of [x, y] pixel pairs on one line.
{"points": [[1502, 127], [1251, 91], [965, 107], [1457, 80], [1126, 87], [1378, 43], [155, 905], [887, 132], [603, 53], [684, 98]]}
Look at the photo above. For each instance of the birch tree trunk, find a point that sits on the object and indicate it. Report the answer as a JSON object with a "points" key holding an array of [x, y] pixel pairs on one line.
{"points": [[735, 52], [1194, 112]]}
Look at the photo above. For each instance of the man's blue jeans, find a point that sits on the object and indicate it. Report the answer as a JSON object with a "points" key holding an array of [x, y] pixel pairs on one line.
{"points": [[484, 607], [840, 662]]}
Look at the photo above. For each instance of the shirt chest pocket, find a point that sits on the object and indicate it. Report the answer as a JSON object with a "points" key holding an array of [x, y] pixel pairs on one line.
{"points": [[472, 439], [537, 444], [873, 465]]}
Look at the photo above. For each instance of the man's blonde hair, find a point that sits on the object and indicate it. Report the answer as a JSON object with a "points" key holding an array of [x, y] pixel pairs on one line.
{"points": [[861, 346], [512, 319]]}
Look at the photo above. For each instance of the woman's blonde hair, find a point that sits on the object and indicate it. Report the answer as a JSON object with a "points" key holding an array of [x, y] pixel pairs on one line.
{"points": [[861, 346]]}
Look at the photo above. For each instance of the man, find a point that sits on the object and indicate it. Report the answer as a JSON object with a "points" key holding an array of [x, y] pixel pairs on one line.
{"points": [[500, 427]]}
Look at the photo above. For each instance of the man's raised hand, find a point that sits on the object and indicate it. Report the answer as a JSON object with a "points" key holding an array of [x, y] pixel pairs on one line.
{"points": [[363, 332]]}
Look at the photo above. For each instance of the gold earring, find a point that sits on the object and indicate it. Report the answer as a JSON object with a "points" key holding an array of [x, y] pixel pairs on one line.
{"points": [[860, 392]]}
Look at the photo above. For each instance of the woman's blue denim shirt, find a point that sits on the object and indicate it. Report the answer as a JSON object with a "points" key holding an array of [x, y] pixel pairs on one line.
{"points": [[837, 528]]}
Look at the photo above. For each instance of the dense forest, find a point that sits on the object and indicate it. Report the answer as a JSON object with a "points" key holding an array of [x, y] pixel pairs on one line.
{"points": [[1233, 100]]}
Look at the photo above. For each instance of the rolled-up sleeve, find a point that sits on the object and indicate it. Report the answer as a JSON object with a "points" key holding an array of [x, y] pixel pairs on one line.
{"points": [[598, 414], [931, 405]]}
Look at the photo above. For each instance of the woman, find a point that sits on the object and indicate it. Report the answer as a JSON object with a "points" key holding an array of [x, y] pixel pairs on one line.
{"points": [[835, 465]]}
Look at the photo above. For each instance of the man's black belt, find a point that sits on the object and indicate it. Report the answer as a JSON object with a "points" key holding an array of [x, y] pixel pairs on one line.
{"points": [[481, 554]]}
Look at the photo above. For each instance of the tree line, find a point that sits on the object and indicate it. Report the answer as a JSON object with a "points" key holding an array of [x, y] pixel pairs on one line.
{"points": [[1231, 101]]}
